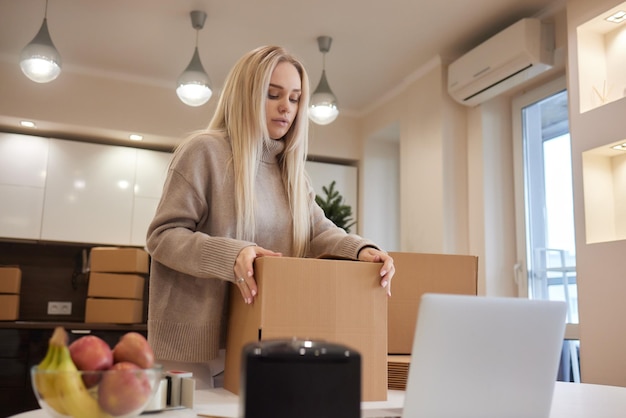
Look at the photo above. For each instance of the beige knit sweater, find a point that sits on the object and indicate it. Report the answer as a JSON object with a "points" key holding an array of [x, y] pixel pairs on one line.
{"points": [[193, 249]]}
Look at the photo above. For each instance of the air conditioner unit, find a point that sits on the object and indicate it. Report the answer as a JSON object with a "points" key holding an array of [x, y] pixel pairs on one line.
{"points": [[513, 56]]}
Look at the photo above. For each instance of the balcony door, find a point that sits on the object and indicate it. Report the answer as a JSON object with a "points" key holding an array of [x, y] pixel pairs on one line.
{"points": [[544, 206]]}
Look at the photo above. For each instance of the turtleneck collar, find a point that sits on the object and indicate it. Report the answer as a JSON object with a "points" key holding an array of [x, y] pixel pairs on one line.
{"points": [[271, 149]]}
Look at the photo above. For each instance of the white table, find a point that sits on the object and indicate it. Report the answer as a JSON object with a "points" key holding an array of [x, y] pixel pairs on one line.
{"points": [[571, 400]]}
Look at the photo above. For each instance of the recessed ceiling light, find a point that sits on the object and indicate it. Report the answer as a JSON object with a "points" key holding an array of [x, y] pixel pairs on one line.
{"points": [[617, 17], [135, 137], [27, 123], [620, 147]]}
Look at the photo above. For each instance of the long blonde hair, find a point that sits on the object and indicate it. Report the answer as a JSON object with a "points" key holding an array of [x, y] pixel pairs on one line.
{"points": [[240, 115]]}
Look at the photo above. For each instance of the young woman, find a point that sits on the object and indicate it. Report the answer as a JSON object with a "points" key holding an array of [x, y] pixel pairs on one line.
{"points": [[234, 192]]}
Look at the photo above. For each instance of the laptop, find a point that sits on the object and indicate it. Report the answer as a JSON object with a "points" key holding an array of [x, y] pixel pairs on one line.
{"points": [[483, 357]]}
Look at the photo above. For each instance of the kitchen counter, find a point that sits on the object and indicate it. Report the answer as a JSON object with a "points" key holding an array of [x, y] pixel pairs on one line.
{"points": [[571, 400], [220, 403]]}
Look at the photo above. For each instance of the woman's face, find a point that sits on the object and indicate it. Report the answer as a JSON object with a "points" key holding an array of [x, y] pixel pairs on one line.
{"points": [[283, 98]]}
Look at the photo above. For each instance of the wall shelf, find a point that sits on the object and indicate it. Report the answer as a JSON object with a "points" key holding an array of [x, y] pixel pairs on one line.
{"points": [[604, 185], [601, 60]]}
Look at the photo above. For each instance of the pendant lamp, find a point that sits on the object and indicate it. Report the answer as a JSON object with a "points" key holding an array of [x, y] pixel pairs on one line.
{"points": [[39, 60], [323, 104], [193, 85]]}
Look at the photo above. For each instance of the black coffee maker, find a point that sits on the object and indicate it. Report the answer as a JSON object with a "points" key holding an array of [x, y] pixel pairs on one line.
{"points": [[300, 379]]}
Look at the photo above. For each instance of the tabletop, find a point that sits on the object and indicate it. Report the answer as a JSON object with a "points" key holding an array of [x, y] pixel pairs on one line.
{"points": [[571, 400]]}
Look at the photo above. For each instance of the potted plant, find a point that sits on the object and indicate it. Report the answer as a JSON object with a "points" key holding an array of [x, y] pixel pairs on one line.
{"points": [[334, 208]]}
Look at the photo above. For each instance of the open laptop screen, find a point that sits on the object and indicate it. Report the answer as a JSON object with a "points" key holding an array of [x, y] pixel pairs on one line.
{"points": [[484, 357]]}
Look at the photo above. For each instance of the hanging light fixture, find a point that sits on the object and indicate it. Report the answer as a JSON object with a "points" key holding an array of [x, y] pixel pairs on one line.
{"points": [[323, 104], [40, 61], [194, 85]]}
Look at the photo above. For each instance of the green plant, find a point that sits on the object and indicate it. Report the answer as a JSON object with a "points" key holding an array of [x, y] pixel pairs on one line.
{"points": [[334, 208]]}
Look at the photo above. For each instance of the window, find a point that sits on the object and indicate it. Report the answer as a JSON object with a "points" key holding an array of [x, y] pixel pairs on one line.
{"points": [[544, 203]]}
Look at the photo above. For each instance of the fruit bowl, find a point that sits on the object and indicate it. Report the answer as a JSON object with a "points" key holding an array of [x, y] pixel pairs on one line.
{"points": [[123, 392]]}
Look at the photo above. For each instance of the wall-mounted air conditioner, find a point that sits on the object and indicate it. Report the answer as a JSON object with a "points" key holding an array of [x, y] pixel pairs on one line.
{"points": [[517, 54]]}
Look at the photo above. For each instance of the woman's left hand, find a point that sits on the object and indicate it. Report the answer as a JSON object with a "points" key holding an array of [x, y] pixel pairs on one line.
{"points": [[377, 256]]}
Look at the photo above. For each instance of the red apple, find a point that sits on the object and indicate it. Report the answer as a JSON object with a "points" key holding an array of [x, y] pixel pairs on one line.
{"points": [[133, 347], [91, 353], [124, 388]]}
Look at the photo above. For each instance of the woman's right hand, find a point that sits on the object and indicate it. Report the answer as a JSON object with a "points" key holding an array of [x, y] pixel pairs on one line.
{"points": [[244, 270]]}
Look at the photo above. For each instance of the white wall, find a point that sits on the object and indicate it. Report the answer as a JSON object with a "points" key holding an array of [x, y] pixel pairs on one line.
{"points": [[381, 196], [498, 194], [600, 266], [476, 193], [433, 181], [455, 155], [433, 164], [456, 171], [339, 140]]}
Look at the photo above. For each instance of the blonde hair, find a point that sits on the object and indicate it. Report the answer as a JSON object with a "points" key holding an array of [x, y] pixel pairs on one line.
{"points": [[240, 116]]}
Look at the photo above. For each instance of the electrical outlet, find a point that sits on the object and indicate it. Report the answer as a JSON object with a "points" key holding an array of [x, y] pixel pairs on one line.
{"points": [[59, 308]]}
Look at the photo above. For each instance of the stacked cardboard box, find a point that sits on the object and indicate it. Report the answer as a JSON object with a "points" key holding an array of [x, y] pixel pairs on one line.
{"points": [[416, 274], [10, 282], [116, 285]]}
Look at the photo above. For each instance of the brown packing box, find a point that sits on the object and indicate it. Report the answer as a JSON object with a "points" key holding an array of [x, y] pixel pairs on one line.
{"points": [[118, 260], [417, 274], [10, 279], [332, 300], [114, 311], [398, 371], [115, 285], [9, 307]]}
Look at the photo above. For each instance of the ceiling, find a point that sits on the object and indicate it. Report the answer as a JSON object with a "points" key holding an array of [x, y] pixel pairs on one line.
{"points": [[377, 45]]}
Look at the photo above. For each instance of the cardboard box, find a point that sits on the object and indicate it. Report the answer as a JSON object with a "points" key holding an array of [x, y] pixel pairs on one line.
{"points": [[398, 371], [115, 285], [332, 300], [118, 260], [417, 274], [114, 311], [10, 279], [9, 307]]}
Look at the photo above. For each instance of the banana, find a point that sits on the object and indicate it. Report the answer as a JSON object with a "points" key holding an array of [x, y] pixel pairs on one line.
{"points": [[70, 387], [44, 382]]}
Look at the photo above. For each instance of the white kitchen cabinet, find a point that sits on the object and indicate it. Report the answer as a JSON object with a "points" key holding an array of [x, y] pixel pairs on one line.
{"points": [[144, 210], [23, 161], [151, 170], [89, 193], [20, 211]]}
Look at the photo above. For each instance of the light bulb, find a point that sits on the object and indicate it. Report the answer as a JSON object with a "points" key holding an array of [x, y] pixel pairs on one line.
{"points": [[323, 115], [193, 94], [39, 60], [323, 104], [194, 85]]}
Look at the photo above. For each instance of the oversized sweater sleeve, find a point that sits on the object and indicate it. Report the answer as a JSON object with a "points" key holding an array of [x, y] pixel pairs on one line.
{"points": [[190, 230]]}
